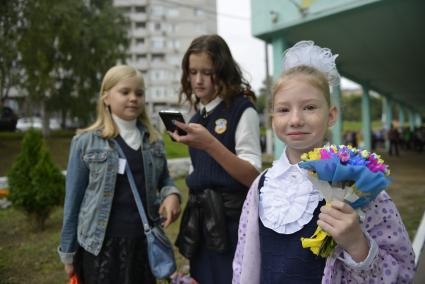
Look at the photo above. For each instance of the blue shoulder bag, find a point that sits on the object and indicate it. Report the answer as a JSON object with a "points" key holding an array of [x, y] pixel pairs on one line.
{"points": [[160, 250]]}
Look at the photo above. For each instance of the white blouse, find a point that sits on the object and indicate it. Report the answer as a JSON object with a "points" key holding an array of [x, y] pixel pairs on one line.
{"points": [[287, 198]]}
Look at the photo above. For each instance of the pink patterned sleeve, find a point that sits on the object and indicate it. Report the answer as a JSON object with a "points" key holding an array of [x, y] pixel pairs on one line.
{"points": [[243, 222], [394, 261]]}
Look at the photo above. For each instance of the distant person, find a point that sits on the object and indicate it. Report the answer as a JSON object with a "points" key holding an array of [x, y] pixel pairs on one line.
{"points": [[394, 140], [419, 139], [373, 140], [102, 238], [224, 145], [354, 139], [282, 204]]}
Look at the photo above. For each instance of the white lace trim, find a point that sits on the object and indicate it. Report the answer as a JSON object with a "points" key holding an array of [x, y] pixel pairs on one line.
{"points": [[287, 198]]}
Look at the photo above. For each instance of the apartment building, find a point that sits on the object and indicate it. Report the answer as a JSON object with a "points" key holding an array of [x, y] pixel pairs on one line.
{"points": [[160, 32]]}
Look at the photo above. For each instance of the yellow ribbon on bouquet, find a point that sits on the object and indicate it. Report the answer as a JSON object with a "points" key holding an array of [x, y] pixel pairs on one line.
{"points": [[320, 243]]}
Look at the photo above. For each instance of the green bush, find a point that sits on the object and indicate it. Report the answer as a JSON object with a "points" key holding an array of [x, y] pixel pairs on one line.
{"points": [[36, 184]]}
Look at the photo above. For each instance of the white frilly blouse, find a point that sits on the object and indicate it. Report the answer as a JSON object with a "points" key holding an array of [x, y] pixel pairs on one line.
{"points": [[287, 198]]}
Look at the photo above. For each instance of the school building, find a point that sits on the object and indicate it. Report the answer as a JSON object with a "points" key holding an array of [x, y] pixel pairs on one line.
{"points": [[381, 47], [380, 42]]}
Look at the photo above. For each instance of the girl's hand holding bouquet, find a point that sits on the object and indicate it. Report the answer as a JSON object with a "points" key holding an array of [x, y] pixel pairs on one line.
{"points": [[349, 179]]}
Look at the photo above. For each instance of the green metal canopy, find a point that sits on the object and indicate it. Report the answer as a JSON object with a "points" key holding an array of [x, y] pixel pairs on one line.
{"points": [[381, 42]]}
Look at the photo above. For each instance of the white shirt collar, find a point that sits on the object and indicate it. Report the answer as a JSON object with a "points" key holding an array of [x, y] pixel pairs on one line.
{"points": [[211, 105], [282, 165]]}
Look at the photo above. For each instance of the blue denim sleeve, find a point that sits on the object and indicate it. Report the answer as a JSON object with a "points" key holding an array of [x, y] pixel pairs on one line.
{"points": [[77, 176], [166, 183]]}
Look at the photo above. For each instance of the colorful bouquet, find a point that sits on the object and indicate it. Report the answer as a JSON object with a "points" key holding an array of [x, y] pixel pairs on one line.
{"points": [[347, 174]]}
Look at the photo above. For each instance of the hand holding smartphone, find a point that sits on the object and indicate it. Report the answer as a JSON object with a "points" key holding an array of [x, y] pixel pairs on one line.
{"points": [[168, 116]]}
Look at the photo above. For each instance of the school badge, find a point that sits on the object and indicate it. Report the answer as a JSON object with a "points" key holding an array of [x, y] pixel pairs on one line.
{"points": [[220, 125]]}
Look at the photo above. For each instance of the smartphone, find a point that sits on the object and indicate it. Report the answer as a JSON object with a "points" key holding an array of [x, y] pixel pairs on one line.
{"points": [[168, 116]]}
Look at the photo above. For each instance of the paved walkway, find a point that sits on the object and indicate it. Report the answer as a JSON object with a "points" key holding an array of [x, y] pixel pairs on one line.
{"points": [[420, 273]]}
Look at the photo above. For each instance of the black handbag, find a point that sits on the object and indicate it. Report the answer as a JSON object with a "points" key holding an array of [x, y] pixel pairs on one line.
{"points": [[160, 250]]}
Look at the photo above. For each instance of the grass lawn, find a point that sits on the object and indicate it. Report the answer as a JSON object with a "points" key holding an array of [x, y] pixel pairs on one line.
{"points": [[30, 257]]}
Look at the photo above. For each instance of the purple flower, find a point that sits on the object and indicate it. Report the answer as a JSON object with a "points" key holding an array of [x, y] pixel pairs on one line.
{"points": [[357, 160], [344, 155]]}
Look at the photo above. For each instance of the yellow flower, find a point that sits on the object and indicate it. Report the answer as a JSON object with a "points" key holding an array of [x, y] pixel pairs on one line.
{"points": [[315, 154], [364, 154]]}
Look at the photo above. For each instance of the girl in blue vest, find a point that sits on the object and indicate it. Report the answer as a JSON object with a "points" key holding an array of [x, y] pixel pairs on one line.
{"points": [[102, 238], [283, 206], [224, 145]]}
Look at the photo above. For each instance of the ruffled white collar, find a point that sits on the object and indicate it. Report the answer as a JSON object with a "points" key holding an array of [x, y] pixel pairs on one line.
{"points": [[287, 198], [129, 132]]}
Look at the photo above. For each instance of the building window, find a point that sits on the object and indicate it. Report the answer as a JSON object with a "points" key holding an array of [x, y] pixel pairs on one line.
{"points": [[201, 29], [125, 10], [140, 25], [157, 58], [176, 43], [157, 10], [174, 60], [173, 12], [140, 40], [199, 12], [157, 42], [140, 9], [172, 28]]}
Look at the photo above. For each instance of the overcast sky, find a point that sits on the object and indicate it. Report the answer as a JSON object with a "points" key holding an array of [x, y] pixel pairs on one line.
{"points": [[235, 27]]}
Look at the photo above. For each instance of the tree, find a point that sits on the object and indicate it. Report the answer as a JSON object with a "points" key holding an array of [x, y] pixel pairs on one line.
{"points": [[98, 42], [9, 57], [36, 184], [66, 45], [352, 104], [264, 96]]}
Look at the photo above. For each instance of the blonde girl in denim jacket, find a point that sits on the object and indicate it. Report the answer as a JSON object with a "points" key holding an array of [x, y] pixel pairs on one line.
{"points": [[102, 239]]}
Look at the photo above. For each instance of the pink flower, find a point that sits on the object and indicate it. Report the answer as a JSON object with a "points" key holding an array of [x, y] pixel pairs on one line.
{"points": [[324, 154]]}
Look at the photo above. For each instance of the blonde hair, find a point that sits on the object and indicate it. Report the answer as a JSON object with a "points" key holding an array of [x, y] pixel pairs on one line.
{"points": [[312, 75], [104, 121]]}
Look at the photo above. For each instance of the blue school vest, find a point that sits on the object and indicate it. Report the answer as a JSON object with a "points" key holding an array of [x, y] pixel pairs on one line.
{"points": [[283, 259], [221, 123]]}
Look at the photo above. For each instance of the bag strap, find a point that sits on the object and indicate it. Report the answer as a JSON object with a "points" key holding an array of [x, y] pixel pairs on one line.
{"points": [[133, 186]]}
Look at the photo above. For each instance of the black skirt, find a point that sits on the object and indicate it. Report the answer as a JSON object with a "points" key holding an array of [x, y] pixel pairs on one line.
{"points": [[121, 260]]}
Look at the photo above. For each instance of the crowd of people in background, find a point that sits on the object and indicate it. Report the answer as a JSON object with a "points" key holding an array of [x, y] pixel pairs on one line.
{"points": [[403, 139]]}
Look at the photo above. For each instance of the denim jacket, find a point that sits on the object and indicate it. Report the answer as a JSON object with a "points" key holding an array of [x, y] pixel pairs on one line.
{"points": [[90, 186]]}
